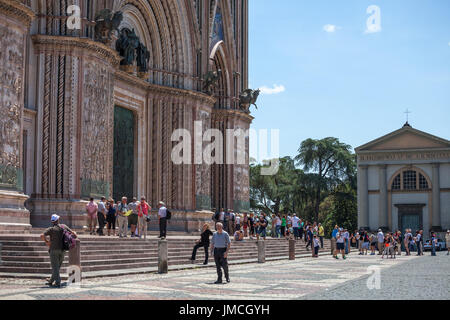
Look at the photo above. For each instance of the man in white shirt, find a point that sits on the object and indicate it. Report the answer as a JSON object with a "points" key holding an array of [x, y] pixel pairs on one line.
{"points": [[380, 238], [162, 216], [295, 221], [347, 241], [340, 244], [101, 216]]}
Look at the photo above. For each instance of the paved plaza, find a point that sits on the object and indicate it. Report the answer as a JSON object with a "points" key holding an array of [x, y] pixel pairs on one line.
{"points": [[323, 278]]}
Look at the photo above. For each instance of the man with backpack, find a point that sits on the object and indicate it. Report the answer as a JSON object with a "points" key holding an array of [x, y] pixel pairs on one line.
{"points": [[56, 248]]}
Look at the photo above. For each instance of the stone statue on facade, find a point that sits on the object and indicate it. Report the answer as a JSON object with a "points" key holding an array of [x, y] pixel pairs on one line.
{"points": [[247, 98], [210, 81], [142, 57], [126, 45], [105, 23]]}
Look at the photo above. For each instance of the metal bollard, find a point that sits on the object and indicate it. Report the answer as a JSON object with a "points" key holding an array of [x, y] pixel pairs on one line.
{"points": [[291, 249], [261, 251], [162, 257]]}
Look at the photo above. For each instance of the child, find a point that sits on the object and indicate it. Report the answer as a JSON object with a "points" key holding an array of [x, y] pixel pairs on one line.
{"points": [[238, 235], [386, 247], [316, 247], [373, 244]]}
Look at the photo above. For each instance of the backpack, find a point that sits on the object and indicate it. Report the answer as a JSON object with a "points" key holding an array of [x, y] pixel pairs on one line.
{"points": [[216, 216], [68, 239], [168, 214]]}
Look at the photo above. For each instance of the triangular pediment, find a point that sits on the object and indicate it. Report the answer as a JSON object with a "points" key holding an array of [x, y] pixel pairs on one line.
{"points": [[407, 138]]}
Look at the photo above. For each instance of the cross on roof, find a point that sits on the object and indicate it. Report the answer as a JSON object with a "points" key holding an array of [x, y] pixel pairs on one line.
{"points": [[407, 112]]}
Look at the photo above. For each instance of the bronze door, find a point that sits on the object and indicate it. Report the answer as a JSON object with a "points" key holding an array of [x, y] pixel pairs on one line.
{"points": [[123, 171]]}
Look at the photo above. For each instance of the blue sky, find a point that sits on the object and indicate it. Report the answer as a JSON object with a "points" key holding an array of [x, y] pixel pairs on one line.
{"points": [[340, 81]]}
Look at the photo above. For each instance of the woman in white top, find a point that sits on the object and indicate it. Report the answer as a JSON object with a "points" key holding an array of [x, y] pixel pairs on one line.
{"points": [[238, 222]]}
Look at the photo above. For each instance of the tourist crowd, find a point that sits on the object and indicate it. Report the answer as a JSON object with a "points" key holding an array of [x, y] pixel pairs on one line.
{"points": [[134, 215], [389, 244], [250, 225]]}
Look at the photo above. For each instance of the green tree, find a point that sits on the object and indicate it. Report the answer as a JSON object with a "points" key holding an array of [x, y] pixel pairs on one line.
{"points": [[340, 208], [329, 160]]}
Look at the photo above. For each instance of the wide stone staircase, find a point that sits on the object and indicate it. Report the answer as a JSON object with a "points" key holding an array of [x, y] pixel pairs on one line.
{"points": [[26, 256]]}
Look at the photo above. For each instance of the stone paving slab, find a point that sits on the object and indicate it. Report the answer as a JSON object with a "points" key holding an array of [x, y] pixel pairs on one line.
{"points": [[423, 278], [308, 278]]}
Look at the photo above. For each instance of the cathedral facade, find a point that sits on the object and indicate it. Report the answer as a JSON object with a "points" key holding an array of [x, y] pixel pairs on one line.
{"points": [[91, 93]]}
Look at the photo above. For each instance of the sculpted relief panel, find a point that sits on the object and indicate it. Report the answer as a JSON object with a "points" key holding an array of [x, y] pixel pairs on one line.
{"points": [[203, 172], [97, 122], [11, 105]]}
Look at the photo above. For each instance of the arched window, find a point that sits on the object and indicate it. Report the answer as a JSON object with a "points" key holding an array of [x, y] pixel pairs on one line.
{"points": [[423, 183], [396, 184], [409, 180]]}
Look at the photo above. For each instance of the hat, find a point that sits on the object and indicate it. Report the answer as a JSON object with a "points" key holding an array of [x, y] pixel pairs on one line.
{"points": [[162, 203], [55, 218]]}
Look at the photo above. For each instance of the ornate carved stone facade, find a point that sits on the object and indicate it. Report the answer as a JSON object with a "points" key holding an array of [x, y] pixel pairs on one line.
{"points": [[14, 21], [61, 150]]}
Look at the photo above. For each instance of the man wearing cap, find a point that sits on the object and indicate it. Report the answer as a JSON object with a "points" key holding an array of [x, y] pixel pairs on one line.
{"points": [[101, 215], [133, 217], [55, 244], [220, 246], [122, 219], [162, 216], [380, 238]]}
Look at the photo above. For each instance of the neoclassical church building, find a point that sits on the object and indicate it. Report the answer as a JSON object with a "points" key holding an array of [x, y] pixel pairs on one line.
{"points": [[404, 182], [90, 97]]}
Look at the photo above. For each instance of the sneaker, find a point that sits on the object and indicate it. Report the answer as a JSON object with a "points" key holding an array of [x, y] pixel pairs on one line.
{"points": [[337, 258], [228, 280], [218, 282], [344, 257], [205, 263]]}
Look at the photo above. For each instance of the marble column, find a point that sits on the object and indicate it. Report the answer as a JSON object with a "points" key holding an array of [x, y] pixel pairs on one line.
{"points": [[436, 196], [383, 199], [15, 20], [363, 197]]}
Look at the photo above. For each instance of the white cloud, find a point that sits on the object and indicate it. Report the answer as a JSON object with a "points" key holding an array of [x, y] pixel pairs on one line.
{"points": [[330, 28], [449, 44], [275, 90]]}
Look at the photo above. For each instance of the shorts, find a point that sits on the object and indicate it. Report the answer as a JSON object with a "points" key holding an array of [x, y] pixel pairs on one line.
{"points": [[133, 219], [262, 232], [373, 244], [340, 246], [365, 245]]}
